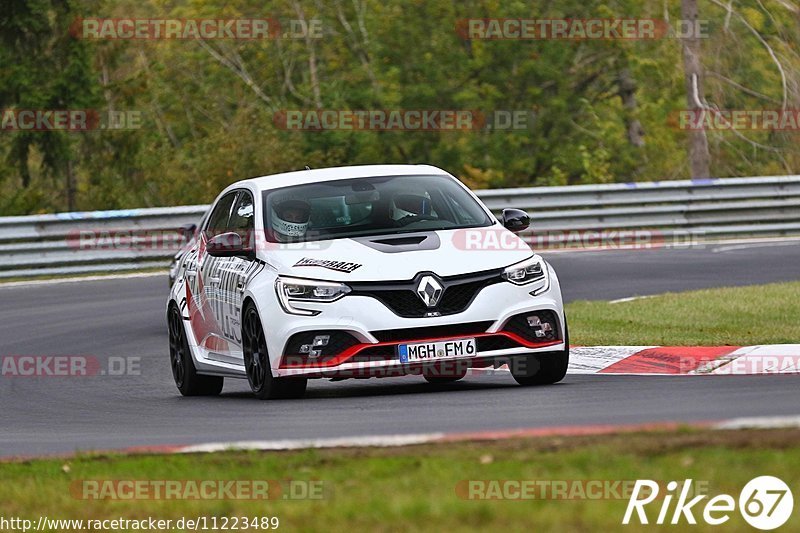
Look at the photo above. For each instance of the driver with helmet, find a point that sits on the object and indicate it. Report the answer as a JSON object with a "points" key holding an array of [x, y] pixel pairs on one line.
{"points": [[409, 207], [290, 220]]}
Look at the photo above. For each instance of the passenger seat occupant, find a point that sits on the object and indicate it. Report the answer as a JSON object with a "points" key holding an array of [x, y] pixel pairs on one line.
{"points": [[290, 219]]}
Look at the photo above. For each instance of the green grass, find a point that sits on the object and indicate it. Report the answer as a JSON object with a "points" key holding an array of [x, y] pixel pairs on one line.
{"points": [[414, 488], [761, 314]]}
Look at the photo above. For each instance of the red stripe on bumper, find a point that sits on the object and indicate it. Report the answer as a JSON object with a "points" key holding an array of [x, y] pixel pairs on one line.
{"points": [[358, 348]]}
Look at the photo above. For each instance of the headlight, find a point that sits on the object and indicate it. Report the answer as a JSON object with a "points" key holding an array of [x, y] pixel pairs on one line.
{"points": [[292, 290], [530, 271]]}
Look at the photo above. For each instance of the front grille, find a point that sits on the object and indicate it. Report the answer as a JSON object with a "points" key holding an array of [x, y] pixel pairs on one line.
{"points": [[457, 297], [404, 303], [402, 298], [431, 332], [518, 325]]}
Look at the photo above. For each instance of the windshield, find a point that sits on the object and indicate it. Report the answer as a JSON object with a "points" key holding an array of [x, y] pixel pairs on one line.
{"points": [[369, 206]]}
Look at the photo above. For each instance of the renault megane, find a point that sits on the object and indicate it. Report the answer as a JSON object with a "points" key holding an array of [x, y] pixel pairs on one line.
{"points": [[356, 272]]}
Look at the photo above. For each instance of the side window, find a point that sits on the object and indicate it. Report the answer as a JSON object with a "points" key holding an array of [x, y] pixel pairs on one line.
{"points": [[218, 220], [242, 218]]}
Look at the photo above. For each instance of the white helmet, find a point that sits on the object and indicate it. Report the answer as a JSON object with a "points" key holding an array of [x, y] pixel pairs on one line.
{"points": [[290, 219]]}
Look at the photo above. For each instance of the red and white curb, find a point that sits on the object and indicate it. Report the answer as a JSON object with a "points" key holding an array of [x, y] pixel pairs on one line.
{"points": [[681, 360], [687, 360]]}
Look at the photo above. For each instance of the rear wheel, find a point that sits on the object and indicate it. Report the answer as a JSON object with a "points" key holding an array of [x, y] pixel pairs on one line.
{"points": [[542, 368], [256, 362], [188, 381]]}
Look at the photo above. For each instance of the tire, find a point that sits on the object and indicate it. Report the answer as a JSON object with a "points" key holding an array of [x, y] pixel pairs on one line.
{"points": [[542, 368], [256, 362], [188, 381]]}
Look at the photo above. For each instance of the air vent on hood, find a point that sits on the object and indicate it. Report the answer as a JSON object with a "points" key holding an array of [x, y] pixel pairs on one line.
{"points": [[401, 243]]}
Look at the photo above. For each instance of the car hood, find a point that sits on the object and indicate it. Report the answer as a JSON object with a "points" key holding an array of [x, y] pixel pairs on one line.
{"points": [[400, 256]]}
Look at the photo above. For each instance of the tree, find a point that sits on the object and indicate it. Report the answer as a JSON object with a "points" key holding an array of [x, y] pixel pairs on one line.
{"points": [[48, 69], [699, 158]]}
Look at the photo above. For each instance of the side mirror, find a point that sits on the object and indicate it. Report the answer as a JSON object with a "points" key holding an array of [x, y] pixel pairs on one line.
{"points": [[229, 245], [188, 231], [516, 220]]}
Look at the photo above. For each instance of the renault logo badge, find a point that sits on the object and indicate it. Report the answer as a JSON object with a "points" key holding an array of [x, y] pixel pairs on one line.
{"points": [[429, 291]]}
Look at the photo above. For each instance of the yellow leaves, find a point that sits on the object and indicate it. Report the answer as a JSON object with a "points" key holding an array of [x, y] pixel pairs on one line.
{"points": [[476, 178], [754, 17]]}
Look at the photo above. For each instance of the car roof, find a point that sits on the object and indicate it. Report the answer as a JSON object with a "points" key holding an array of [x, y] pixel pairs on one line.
{"points": [[301, 177]]}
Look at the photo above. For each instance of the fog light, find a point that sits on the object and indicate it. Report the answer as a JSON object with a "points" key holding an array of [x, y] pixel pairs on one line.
{"points": [[318, 342], [321, 340], [540, 329]]}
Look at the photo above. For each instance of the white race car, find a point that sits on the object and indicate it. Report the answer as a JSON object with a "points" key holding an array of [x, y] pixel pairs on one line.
{"points": [[354, 272]]}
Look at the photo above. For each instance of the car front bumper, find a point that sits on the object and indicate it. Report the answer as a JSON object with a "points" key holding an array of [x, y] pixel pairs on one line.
{"points": [[366, 319]]}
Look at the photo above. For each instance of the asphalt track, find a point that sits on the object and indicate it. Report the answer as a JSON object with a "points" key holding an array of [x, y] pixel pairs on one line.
{"points": [[122, 318]]}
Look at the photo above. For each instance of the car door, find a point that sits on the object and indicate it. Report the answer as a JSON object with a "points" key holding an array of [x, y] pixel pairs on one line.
{"points": [[203, 280], [233, 273]]}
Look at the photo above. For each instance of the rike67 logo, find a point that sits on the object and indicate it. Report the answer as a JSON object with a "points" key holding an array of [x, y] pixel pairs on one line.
{"points": [[766, 503]]}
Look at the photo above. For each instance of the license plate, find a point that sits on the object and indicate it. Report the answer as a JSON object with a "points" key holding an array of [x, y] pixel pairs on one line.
{"points": [[432, 351]]}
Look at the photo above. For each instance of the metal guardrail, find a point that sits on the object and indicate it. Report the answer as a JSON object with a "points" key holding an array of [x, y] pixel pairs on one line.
{"points": [[765, 206]]}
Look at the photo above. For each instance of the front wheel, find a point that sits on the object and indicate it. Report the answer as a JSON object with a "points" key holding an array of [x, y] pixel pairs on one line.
{"points": [[256, 362], [188, 381], [542, 368]]}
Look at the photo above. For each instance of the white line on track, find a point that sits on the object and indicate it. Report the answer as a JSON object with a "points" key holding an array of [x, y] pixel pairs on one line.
{"points": [[77, 279], [383, 441], [734, 247], [631, 299], [299, 444], [761, 422]]}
